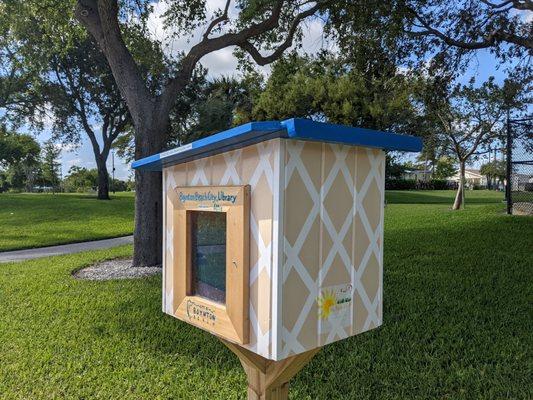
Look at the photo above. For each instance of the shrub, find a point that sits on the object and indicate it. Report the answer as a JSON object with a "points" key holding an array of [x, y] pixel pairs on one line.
{"points": [[411, 184], [440, 184], [400, 184], [117, 185]]}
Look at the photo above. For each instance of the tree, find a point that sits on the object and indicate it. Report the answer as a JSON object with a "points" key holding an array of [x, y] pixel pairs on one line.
{"points": [[394, 169], [206, 107], [471, 119], [223, 104], [83, 97], [495, 171], [332, 88], [217, 105], [50, 165], [82, 94], [15, 80], [20, 158], [72, 84], [446, 31], [444, 168], [80, 179], [260, 25], [502, 26]]}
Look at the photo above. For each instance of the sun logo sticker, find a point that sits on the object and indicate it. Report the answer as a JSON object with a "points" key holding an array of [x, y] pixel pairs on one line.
{"points": [[326, 302], [335, 309]]}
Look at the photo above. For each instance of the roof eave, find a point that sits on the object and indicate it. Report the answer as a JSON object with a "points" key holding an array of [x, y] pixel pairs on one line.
{"points": [[294, 128]]}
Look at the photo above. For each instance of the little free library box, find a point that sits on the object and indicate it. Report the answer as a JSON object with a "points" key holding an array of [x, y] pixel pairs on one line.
{"points": [[273, 239]]}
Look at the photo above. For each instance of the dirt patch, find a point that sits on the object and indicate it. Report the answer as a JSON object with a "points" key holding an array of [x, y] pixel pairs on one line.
{"points": [[115, 269], [522, 208]]}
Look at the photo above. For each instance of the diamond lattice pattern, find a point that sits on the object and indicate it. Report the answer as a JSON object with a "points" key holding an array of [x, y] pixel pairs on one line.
{"points": [[316, 222], [256, 165], [333, 225]]}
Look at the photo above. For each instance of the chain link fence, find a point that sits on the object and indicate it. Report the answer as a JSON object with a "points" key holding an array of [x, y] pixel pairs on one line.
{"points": [[520, 167]]}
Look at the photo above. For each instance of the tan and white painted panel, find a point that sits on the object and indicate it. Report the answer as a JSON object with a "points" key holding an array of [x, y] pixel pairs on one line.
{"points": [[316, 235]]}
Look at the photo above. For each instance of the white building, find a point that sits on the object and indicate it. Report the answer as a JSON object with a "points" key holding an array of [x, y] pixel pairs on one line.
{"points": [[472, 178], [417, 174]]}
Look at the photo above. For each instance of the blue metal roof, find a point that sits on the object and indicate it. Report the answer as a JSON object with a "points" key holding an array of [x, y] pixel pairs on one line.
{"points": [[294, 128]]}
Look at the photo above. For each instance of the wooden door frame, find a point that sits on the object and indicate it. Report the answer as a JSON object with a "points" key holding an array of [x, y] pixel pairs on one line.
{"points": [[230, 320]]}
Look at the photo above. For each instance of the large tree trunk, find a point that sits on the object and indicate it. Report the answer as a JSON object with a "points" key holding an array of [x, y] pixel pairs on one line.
{"points": [[147, 241], [103, 180], [148, 235], [460, 196]]}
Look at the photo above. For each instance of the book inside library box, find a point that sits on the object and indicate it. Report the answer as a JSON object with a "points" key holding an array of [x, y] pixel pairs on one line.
{"points": [[208, 261]]}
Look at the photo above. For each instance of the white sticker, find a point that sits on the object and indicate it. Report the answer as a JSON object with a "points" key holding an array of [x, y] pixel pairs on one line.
{"points": [[334, 307], [177, 150]]}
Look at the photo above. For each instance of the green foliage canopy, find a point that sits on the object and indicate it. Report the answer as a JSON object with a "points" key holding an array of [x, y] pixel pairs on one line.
{"points": [[444, 168], [331, 88], [51, 166], [494, 169]]}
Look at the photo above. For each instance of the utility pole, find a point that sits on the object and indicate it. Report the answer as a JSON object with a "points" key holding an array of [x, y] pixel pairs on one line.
{"points": [[489, 176], [113, 170], [509, 152]]}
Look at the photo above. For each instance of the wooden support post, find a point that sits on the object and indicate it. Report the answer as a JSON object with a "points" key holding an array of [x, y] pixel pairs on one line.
{"points": [[267, 379]]}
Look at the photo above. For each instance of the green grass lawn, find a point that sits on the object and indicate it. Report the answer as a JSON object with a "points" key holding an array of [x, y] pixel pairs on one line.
{"points": [[36, 220], [457, 322]]}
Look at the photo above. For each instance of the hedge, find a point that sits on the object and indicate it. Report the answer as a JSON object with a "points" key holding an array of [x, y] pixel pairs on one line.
{"points": [[411, 184]]}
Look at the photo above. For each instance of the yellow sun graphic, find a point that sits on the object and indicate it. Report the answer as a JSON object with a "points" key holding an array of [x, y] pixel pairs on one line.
{"points": [[325, 302]]}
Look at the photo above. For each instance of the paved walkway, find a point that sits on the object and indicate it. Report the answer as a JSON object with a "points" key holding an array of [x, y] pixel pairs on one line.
{"points": [[28, 254]]}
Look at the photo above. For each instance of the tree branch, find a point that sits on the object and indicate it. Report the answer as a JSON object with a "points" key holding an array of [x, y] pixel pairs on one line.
{"points": [[488, 40], [240, 39], [493, 5], [263, 60], [523, 5], [107, 126], [218, 20], [100, 17]]}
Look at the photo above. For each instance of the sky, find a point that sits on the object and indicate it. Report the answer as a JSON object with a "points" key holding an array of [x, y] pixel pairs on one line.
{"points": [[223, 63]]}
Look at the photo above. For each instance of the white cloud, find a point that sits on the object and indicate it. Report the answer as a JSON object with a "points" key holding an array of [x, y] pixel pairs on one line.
{"points": [[71, 162], [66, 147], [528, 16], [44, 115], [314, 39]]}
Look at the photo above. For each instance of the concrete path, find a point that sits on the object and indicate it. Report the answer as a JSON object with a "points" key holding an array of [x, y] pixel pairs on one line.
{"points": [[28, 254]]}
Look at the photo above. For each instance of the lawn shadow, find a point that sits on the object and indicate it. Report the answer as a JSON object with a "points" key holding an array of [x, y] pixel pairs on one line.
{"points": [[434, 197]]}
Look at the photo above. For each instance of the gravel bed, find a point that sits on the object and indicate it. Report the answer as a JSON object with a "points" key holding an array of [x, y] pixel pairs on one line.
{"points": [[115, 269]]}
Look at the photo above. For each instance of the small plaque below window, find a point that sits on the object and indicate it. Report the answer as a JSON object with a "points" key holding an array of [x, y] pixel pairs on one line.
{"points": [[208, 255]]}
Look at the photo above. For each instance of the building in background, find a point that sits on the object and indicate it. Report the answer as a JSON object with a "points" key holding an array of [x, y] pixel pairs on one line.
{"points": [[472, 177], [417, 174]]}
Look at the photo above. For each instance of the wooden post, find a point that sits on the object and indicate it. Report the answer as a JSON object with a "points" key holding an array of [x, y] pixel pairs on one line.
{"points": [[267, 379]]}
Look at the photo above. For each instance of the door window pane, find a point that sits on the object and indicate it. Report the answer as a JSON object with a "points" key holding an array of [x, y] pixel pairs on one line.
{"points": [[208, 263]]}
